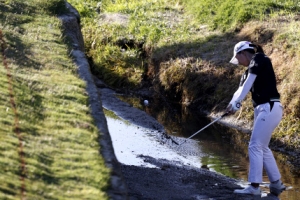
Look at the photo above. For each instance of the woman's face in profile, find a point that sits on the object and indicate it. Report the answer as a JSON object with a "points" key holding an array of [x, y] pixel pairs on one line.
{"points": [[242, 58]]}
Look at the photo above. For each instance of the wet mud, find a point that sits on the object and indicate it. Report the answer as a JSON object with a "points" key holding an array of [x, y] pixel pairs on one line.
{"points": [[173, 181], [154, 167]]}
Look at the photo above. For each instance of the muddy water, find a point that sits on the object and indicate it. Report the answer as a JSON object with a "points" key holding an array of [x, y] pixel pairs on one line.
{"points": [[226, 150], [219, 149]]}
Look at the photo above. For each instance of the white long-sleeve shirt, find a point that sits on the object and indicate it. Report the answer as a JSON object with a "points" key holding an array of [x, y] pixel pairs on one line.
{"points": [[242, 91]]}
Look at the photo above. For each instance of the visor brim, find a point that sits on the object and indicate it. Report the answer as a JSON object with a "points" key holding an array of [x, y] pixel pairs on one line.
{"points": [[234, 61]]}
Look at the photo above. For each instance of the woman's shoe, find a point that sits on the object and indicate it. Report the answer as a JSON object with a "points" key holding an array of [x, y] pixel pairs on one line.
{"points": [[277, 187], [249, 190]]}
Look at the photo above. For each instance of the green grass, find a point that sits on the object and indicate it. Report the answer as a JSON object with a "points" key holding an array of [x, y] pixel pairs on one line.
{"points": [[232, 14], [57, 131], [119, 49]]}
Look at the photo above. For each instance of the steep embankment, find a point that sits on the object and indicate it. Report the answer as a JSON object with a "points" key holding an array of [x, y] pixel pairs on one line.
{"points": [[181, 49]]}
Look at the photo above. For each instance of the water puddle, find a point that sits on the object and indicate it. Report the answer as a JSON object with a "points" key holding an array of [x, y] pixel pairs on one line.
{"points": [[212, 149], [143, 142]]}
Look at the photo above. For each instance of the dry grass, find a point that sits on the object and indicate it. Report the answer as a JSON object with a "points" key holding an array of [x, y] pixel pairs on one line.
{"points": [[206, 81], [187, 61]]}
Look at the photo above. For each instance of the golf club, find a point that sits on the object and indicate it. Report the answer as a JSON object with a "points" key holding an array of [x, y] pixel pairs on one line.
{"points": [[204, 127]]}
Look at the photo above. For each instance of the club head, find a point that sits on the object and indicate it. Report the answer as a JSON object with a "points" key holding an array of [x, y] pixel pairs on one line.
{"points": [[175, 142]]}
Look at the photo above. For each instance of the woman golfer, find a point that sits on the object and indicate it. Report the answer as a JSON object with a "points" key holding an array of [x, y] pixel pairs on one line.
{"points": [[259, 78]]}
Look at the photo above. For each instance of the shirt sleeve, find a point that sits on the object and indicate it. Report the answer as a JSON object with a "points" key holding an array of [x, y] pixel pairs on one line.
{"points": [[243, 90], [258, 60]]}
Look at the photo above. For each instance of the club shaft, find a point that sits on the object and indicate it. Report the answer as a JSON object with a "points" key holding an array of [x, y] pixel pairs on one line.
{"points": [[204, 127]]}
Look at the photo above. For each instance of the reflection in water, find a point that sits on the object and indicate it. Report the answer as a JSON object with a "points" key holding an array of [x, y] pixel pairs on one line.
{"points": [[225, 149]]}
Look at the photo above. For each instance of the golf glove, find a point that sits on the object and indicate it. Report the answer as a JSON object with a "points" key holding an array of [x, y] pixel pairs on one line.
{"points": [[234, 106]]}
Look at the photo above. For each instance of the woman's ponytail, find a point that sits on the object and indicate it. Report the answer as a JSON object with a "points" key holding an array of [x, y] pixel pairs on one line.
{"points": [[258, 48]]}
